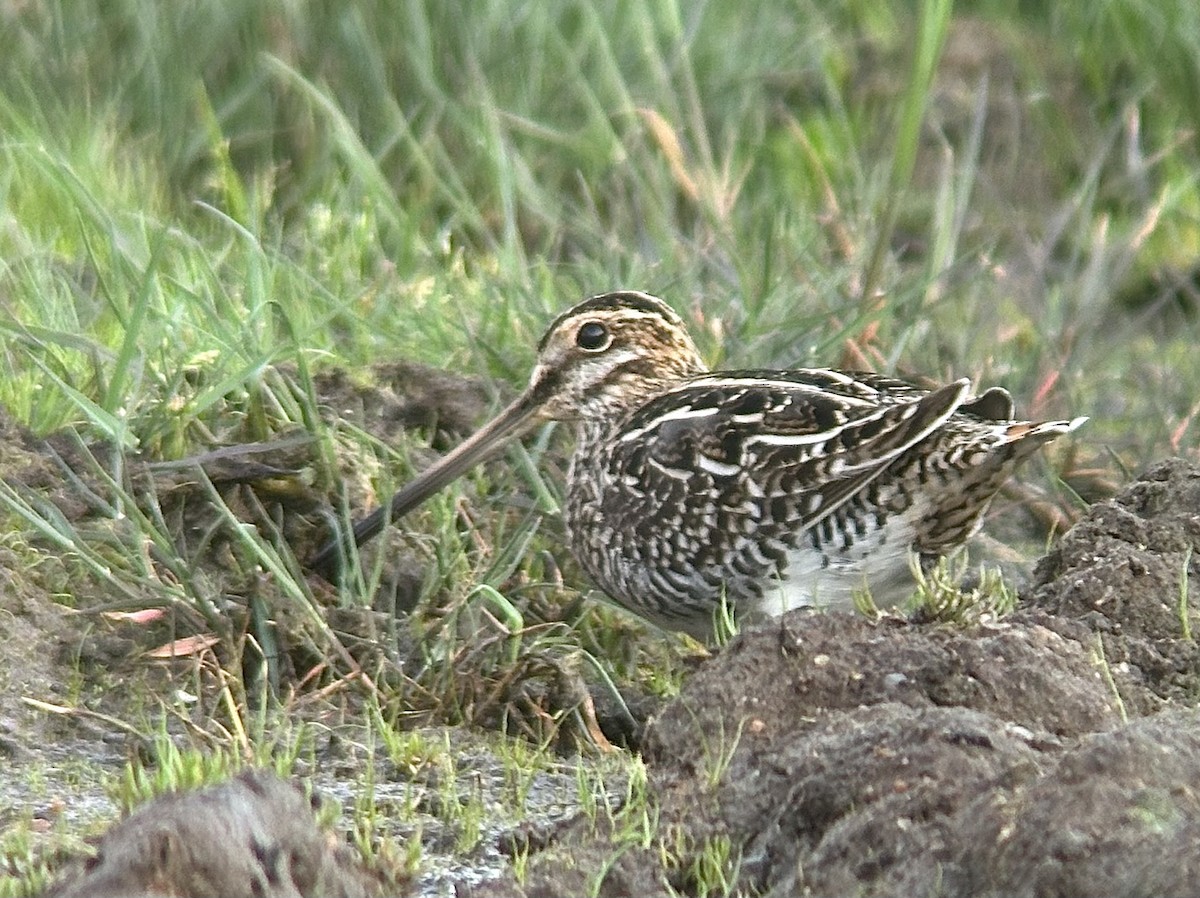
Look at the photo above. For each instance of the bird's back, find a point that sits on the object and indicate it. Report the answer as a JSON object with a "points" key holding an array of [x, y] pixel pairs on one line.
{"points": [[776, 489]]}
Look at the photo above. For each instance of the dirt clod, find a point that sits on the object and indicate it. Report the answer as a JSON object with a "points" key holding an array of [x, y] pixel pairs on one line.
{"points": [[1128, 573], [253, 835]]}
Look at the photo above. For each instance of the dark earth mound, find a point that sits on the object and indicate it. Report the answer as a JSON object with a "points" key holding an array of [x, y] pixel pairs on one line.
{"points": [[1127, 573], [254, 835]]}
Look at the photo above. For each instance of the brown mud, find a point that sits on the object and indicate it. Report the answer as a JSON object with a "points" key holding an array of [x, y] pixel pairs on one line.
{"points": [[253, 835]]}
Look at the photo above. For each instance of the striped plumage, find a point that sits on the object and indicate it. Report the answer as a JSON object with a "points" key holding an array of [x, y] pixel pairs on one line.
{"points": [[771, 489]]}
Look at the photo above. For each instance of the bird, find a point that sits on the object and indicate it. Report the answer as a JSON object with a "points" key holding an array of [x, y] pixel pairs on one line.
{"points": [[693, 492]]}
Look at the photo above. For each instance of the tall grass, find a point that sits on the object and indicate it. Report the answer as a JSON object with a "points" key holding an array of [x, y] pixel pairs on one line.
{"points": [[434, 179]]}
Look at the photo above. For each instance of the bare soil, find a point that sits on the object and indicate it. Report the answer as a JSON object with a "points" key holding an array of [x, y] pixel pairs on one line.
{"points": [[1054, 751]]}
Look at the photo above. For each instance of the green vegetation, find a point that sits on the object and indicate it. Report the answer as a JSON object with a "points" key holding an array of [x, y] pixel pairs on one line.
{"points": [[205, 208], [24, 867], [941, 596]]}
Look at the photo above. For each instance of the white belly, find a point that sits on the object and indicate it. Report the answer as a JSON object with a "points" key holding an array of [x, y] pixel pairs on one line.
{"points": [[879, 563]]}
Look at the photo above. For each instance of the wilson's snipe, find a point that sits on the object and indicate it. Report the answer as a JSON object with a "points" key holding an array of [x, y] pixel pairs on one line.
{"points": [[770, 489]]}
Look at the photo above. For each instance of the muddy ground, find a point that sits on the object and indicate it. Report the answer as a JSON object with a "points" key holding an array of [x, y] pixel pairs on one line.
{"points": [[1053, 751]]}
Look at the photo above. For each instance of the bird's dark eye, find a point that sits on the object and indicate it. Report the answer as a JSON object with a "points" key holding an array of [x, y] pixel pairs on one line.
{"points": [[593, 336]]}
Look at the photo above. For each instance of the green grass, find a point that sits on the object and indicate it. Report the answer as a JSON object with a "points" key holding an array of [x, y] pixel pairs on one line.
{"points": [[359, 183], [203, 206], [195, 196]]}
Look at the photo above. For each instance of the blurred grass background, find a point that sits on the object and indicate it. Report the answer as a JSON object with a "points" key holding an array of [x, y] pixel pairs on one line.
{"points": [[191, 193]]}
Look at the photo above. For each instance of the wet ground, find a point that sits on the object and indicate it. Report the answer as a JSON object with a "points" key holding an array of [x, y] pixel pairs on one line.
{"points": [[1055, 750]]}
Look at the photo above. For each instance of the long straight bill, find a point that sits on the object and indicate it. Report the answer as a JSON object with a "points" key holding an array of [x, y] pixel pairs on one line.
{"points": [[509, 423]]}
